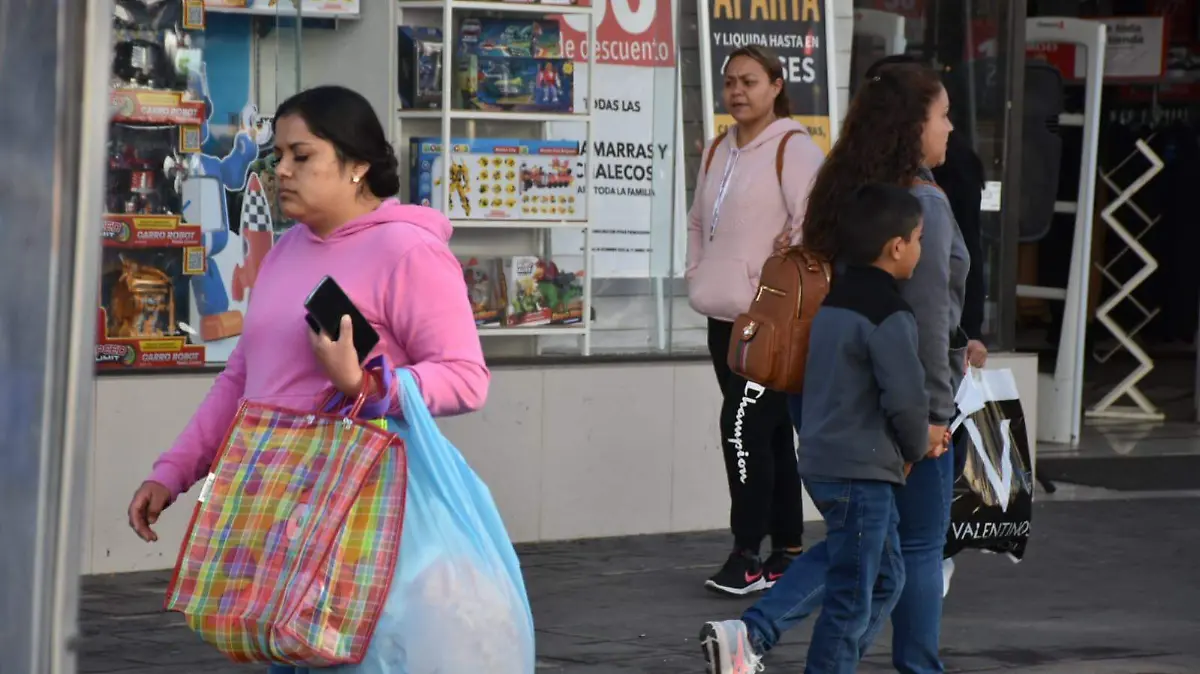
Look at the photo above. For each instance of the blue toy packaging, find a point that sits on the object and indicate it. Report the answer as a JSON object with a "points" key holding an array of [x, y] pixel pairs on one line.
{"points": [[516, 65], [501, 179], [419, 52]]}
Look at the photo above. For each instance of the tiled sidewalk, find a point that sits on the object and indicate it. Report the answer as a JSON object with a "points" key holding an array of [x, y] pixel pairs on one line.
{"points": [[1108, 587]]}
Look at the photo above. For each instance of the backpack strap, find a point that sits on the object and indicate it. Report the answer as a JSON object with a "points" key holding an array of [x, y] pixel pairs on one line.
{"points": [[784, 240], [779, 154], [712, 150]]}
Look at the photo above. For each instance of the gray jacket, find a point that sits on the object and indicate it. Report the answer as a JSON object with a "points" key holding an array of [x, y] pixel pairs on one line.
{"points": [[936, 293], [864, 408]]}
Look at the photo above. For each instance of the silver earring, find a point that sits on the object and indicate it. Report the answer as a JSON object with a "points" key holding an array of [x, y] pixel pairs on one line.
{"points": [[356, 180]]}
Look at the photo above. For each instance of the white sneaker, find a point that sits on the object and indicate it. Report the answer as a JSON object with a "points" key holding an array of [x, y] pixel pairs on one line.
{"points": [[947, 574], [727, 649]]}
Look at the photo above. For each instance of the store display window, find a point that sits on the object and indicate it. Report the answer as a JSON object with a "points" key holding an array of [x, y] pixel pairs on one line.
{"points": [[190, 207], [546, 132], [971, 44], [152, 252], [557, 165]]}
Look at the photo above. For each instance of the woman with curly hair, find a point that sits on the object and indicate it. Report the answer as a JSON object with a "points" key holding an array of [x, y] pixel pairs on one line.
{"points": [[895, 132]]}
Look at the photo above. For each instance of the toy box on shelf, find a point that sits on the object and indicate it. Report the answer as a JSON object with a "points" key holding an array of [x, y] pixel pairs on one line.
{"points": [[526, 304], [149, 251], [563, 292], [420, 56], [146, 265], [539, 293], [152, 48], [514, 65], [486, 289], [501, 179], [312, 8]]}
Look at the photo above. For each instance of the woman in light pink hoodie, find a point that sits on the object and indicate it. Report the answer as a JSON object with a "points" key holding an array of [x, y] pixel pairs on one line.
{"points": [[337, 175], [742, 205]]}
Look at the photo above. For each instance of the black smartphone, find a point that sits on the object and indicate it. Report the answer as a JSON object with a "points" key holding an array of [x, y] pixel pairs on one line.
{"points": [[326, 305]]}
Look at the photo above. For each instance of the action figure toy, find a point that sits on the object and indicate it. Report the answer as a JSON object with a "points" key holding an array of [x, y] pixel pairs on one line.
{"points": [[460, 185], [548, 84], [141, 296]]}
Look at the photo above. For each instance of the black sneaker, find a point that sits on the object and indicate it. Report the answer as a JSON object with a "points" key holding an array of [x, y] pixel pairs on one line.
{"points": [[742, 574], [777, 565]]}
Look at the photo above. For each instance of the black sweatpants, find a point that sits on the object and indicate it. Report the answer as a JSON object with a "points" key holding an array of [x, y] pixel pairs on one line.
{"points": [[760, 455]]}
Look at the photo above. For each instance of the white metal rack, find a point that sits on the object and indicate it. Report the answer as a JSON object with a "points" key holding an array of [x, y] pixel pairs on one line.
{"points": [[441, 13], [1106, 408]]}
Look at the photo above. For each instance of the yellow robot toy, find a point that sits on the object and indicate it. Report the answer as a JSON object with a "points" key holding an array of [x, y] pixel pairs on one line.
{"points": [[460, 185]]}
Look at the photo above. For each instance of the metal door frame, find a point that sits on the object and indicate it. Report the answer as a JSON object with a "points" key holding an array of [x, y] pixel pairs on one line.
{"points": [[57, 55]]}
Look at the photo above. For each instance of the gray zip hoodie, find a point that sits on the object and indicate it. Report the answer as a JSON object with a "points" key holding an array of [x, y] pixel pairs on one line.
{"points": [[936, 293]]}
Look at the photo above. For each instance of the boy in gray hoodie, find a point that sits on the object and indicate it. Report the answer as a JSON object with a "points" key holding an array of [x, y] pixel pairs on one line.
{"points": [[866, 418]]}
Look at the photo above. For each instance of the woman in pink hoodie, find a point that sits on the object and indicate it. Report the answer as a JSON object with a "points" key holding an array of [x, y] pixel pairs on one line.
{"points": [[742, 205], [337, 175]]}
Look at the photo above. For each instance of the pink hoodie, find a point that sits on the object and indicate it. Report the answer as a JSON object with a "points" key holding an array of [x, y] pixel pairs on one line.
{"points": [[396, 266], [742, 191]]}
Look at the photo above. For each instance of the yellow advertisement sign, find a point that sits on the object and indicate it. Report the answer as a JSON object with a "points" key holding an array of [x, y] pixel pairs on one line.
{"points": [[797, 31]]}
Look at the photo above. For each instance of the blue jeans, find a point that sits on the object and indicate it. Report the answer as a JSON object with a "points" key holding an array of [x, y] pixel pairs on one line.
{"points": [[924, 507], [865, 570]]}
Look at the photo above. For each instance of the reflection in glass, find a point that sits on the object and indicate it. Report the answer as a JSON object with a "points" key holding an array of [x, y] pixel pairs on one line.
{"points": [[968, 42]]}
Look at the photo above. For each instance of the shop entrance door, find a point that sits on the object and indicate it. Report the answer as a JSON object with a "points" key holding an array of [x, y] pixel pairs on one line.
{"points": [[52, 116], [979, 47]]}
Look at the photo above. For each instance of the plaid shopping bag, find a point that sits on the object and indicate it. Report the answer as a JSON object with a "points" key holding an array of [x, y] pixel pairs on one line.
{"points": [[292, 547]]}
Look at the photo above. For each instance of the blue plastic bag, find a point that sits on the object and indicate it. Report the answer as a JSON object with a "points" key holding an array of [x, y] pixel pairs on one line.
{"points": [[457, 601]]}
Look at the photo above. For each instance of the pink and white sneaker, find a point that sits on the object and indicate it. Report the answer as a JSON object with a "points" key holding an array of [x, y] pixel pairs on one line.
{"points": [[727, 648]]}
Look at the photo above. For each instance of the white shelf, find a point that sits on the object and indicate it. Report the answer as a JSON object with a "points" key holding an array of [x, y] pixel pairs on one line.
{"points": [[282, 12], [490, 116], [419, 113], [484, 6], [578, 330], [519, 224], [515, 233]]}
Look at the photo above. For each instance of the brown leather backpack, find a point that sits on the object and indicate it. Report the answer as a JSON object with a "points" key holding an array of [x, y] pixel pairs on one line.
{"points": [[770, 340]]}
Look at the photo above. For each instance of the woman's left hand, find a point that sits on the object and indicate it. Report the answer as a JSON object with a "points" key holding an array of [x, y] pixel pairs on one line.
{"points": [[977, 353], [339, 358]]}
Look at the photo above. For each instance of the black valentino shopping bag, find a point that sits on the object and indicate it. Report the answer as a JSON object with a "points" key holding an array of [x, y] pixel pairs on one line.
{"points": [[993, 495]]}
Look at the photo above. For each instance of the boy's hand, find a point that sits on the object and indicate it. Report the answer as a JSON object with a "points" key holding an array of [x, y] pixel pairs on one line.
{"points": [[907, 469], [939, 441]]}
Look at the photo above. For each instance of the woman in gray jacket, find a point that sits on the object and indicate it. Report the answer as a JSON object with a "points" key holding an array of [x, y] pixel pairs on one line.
{"points": [[896, 130]]}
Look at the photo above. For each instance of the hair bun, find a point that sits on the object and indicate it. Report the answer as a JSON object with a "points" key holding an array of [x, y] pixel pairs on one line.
{"points": [[383, 177]]}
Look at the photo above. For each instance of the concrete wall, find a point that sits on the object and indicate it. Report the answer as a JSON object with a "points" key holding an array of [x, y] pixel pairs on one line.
{"points": [[569, 452]]}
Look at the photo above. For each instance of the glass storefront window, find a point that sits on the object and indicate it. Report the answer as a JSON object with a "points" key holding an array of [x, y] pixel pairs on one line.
{"points": [[581, 252], [568, 256], [189, 200], [542, 287], [970, 43]]}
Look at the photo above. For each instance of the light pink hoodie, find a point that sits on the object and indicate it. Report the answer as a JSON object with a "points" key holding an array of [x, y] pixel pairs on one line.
{"points": [[396, 265], [723, 262]]}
